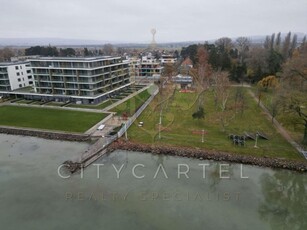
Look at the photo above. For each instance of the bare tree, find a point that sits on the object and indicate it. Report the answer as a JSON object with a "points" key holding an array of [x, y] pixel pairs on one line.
{"points": [[295, 69], [204, 69], [256, 61], [266, 43], [278, 42], [108, 49], [286, 46], [293, 45], [221, 95], [6, 54], [294, 80], [274, 106], [224, 44], [272, 41], [240, 101], [201, 75], [243, 44]]}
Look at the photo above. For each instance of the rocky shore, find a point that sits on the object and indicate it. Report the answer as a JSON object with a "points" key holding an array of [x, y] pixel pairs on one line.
{"points": [[300, 166], [45, 134]]}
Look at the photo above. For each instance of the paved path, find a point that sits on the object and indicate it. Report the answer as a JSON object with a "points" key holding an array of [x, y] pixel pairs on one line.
{"points": [[125, 99], [279, 127], [5, 103], [58, 107], [105, 110]]}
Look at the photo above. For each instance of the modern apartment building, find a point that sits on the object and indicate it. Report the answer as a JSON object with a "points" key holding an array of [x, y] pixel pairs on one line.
{"points": [[150, 67], [15, 75], [134, 67], [86, 79], [145, 69], [167, 59]]}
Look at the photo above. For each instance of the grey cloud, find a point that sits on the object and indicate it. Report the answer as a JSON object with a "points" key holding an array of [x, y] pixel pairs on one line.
{"points": [[132, 20]]}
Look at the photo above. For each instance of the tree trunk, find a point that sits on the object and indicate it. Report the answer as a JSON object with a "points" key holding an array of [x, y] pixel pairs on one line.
{"points": [[305, 135]]}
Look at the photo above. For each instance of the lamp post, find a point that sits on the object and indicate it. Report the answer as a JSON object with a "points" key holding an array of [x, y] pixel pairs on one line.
{"points": [[126, 135], [160, 123], [256, 141], [203, 136]]}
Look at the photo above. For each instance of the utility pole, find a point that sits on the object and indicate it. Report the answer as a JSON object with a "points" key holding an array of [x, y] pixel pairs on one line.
{"points": [[160, 123], [203, 136], [126, 135], [256, 141]]}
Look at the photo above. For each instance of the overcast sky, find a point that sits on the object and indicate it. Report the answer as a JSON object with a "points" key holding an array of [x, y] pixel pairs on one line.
{"points": [[131, 20]]}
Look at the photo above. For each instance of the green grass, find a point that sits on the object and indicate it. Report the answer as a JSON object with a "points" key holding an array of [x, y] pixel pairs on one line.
{"points": [[178, 125], [290, 121], [24, 102], [50, 119], [53, 103], [131, 105], [99, 106]]}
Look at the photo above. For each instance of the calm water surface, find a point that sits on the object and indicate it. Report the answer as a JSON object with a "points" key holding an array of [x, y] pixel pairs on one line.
{"points": [[33, 195]]}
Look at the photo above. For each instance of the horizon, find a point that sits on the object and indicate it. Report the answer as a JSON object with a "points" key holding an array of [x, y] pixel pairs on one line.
{"points": [[76, 42]]}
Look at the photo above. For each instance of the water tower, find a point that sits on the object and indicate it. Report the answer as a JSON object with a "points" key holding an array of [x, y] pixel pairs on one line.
{"points": [[153, 44]]}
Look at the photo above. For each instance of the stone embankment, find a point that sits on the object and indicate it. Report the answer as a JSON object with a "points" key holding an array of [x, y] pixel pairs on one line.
{"points": [[300, 166], [45, 134]]}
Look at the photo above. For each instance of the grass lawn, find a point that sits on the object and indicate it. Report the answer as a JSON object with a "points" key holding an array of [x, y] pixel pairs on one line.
{"points": [[178, 126], [131, 105], [24, 102], [290, 121], [54, 103], [50, 119], [99, 106]]}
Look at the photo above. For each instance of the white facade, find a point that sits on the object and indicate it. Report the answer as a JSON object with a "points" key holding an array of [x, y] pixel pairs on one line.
{"points": [[86, 79], [168, 59], [145, 68], [15, 76]]}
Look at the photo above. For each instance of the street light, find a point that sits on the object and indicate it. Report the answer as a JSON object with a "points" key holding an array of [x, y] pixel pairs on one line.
{"points": [[126, 135], [160, 123], [256, 141], [203, 136]]}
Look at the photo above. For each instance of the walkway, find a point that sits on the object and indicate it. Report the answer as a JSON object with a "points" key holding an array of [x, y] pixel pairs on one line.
{"points": [[125, 99], [98, 149], [279, 127], [58, 107]]}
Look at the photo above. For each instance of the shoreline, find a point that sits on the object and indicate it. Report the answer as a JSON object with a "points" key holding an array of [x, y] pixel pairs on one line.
{"points": [[50, 135], [201, 154]]}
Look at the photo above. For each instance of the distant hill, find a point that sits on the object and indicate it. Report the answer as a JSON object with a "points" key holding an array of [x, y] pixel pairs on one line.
{"points": [[27, 42], [48, 41], [261, 38]]}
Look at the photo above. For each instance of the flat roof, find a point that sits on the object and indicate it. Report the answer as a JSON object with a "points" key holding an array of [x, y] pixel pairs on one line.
{"points": [[13, 63], [73, 58]]}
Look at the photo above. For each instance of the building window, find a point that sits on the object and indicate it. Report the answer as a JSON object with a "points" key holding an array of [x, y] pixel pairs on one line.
{"points": [[16, 67], [21, 73], [20, 85], [20, 67], [19, 79], [18, 73], [29, 77]]}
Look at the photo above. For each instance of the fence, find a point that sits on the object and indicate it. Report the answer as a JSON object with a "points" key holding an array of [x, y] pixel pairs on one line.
{"points": [[136, 115]]}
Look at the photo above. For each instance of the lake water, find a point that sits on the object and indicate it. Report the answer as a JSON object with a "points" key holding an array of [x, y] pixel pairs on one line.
{"points": [[34, 196]]}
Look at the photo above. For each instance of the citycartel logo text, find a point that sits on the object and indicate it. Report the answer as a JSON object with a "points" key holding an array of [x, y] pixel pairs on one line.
{"points": [[183, 171]]}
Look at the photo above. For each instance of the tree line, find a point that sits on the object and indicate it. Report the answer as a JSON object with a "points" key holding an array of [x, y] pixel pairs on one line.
{"points": [[246, 61], [276, 65]]}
